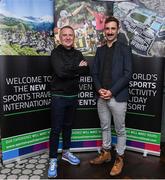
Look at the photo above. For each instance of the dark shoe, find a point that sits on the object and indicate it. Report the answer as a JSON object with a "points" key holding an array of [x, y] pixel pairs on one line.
{"points": [[104, 156], [118, 166]]}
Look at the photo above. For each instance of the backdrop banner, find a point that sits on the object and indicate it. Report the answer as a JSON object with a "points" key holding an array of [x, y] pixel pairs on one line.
{"points": [[144, 113], [142, 22], [25, 45], [142, 26]]}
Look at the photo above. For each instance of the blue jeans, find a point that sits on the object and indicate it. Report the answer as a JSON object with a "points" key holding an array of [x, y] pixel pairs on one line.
{"points": [[107, 109], [63, 110]]}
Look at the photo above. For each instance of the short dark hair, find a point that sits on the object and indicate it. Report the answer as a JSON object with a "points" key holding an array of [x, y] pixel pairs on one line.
{"points": [[112, 18], [69, 27]]}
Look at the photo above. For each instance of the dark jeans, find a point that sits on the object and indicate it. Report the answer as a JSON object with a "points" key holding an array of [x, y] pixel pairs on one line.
{"points": [[63, 110]]}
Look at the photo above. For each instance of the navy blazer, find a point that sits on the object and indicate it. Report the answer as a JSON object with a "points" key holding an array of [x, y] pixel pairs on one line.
{"points": [[121, 70]]}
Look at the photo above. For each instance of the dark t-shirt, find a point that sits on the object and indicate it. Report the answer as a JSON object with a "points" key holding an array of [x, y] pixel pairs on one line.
{"points": [[107, 67]]}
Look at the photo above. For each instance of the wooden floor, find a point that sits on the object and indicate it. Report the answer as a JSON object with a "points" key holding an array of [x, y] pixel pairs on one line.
{"points": [[135, 167]]}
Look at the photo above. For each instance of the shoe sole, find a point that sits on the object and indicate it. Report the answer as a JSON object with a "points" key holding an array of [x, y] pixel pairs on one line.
{"points": [[52, 177], [113, 174], [70, 161], [98, 163]]}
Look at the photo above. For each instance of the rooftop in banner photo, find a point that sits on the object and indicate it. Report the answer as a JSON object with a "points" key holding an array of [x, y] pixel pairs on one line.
{"points": [[143, 26]]}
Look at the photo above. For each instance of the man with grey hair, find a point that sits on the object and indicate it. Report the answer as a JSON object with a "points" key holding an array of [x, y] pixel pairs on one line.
{"points": [[67, 65]]}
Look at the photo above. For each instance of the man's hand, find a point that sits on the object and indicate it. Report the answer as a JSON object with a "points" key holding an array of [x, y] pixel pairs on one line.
{"points": [[83, 63], [105, 94], [108, 94], [102, 92]]}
